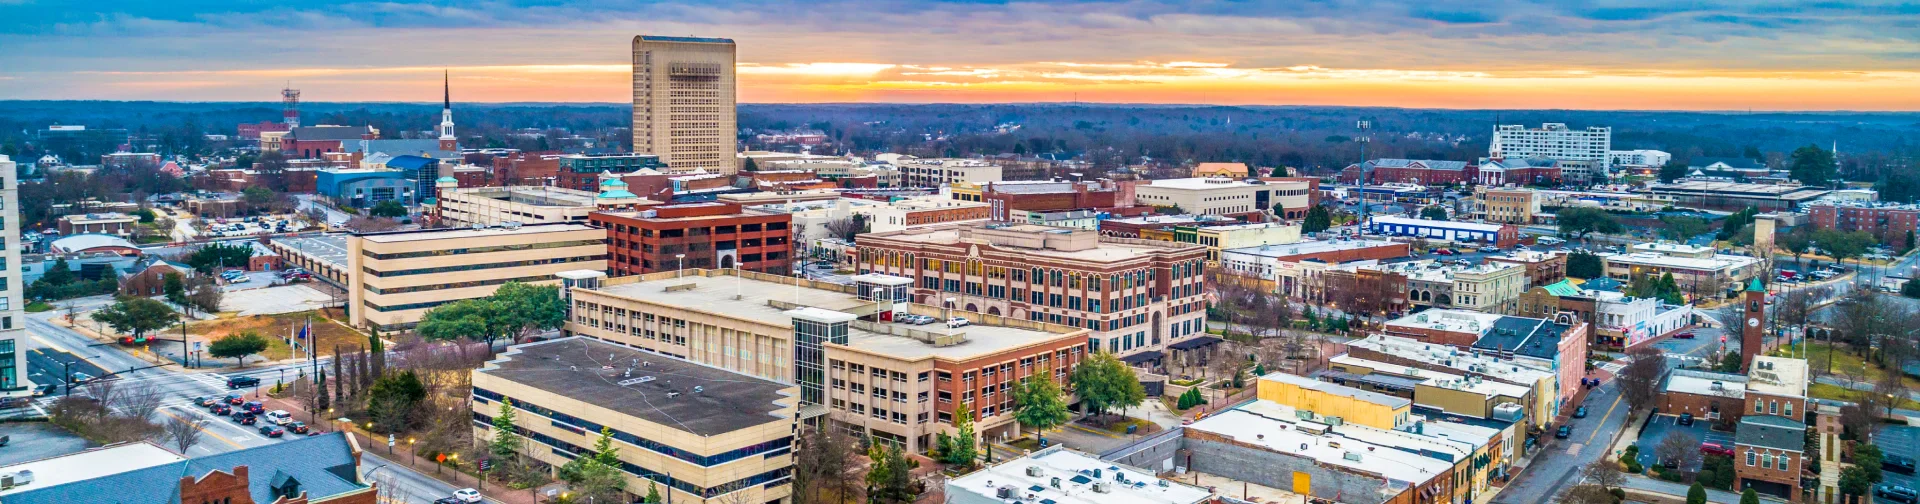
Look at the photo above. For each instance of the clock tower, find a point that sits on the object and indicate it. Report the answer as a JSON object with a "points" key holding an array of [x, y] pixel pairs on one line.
{"points": [[1752, 323]]}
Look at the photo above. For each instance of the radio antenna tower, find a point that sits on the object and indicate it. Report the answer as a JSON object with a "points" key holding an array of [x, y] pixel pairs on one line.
{"points": [[290, 103]]}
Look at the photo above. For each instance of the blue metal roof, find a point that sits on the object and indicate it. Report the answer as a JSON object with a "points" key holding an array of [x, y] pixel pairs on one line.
{"points": [[410, 162], [323, 465]]}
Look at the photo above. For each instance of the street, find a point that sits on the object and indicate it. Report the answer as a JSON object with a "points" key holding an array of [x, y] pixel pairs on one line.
{"points": [[1558, 465]]}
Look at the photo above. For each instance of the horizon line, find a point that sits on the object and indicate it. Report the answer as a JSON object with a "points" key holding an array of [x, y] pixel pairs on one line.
{"points": [[1052, 103]]}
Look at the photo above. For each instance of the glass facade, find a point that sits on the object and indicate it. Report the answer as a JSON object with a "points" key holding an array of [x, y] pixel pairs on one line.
{"points": [[9, 375], [809, 360]]}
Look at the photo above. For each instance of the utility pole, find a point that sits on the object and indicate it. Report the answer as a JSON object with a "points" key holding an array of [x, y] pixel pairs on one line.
{"points": [[1363, 139]]}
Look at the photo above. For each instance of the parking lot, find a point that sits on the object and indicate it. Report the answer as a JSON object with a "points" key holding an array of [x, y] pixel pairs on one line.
{"points": [[1901, 440], [1664, 425], [226, 228], [28, 441]]}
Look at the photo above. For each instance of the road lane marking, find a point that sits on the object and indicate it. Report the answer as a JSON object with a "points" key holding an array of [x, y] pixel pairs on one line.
{"points": [[1574, 449], [205, 430], [1603, 417], [48, 344]]}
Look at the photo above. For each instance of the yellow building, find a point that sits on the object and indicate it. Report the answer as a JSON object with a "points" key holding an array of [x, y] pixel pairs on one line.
{"points": [[1218, 238], [967, 191], [700, 433], [394, 278], [1335, 403], [1231, 170]]}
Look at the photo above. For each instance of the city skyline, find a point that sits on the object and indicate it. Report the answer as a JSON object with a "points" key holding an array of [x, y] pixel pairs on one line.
{"points": [[1700, 56]]}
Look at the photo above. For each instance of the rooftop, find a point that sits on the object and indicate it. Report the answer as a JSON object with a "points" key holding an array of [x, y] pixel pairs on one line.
{"points": [[463, 233], [615, 377], [1450, 320], [727, 295], [1531, 337], [1781, 376], [89, 464], [1337, 389], [1105, 250], [1196, 184], [323, 466], [1672, 248], [1173, 219], [1306, 247], [1706, 383], [1412, 438], [1437, 379], [1059, 476], [330, 248], [1787, 192], [1771, 431], [1449, 357], [1718, 262], [547, 196], [1280, 433]]}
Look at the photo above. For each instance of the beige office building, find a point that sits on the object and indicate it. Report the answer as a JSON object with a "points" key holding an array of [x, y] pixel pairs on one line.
{"points": [[683, 102], [495, 206], [13, 322], [394, 278], [701, 433], [871, 376]]}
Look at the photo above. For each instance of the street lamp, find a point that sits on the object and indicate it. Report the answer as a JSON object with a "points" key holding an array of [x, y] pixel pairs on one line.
{"points": [[682, 258]]}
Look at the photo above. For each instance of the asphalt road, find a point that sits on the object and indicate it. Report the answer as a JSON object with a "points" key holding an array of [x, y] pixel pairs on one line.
{"points": [[1558, 465]]}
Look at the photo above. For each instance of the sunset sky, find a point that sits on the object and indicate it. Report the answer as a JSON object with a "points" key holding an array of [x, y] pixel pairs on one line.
{"points": [[1670, 54]]}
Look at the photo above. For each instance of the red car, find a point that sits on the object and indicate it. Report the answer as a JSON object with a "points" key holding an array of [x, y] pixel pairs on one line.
{"points": [[1684, 335], [1716, 449], [235, 399], [1444, 252]]}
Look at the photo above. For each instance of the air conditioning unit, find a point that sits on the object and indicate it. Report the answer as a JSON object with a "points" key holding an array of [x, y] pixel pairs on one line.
{"points": [[1335, 421], [1102, 487], [1033, 471]]}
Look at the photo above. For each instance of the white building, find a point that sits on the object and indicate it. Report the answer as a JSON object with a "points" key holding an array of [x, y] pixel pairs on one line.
{"points": [[13, 323], [1555, 141], [1056, 475], [1636, 319], [1212, 196], [1643, 158], [917, 172]]}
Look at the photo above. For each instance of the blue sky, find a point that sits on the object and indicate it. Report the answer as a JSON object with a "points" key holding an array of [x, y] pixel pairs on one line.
{"points": [[1444, 53]]}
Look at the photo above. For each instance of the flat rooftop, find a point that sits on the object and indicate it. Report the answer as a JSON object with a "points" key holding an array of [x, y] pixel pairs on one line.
{"points": [[1337, 389], [1531, 337], [1716, 263], [1410, 438], [1075, 472], [471, 233], [606, 375], [1781, 376], [1196, 184], [1788, 192], [1108, 250], [1437, 379], [90, 464], [1450, 320], [1280, 434], [328, 248], [1305, 247], [1706, 383], [1672, 248], [1452, 358], [531, 195], [766, 302], [1406, 221]]}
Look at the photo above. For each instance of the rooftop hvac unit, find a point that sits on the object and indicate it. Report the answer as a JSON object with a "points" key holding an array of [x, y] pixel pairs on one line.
{"points": [[510, 225], [1353, 456], [1102, 487], [1033, 471], [1056, 483], [1335, 421], [1003, 492]]}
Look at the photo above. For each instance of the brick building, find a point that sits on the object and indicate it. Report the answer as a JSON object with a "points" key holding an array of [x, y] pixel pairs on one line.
{"points": [[113, 223], [1415, 171], [1769, 456], [1889, 223], [1137, 296], [710, 235], [1043, 196], [1543, 268], [527, 168], [581, 172]]}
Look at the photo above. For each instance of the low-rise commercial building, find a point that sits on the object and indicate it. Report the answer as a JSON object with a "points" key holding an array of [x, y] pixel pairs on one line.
{"points": [[923, 211], [1710, 396], [1559, 346], [1508, 205], [1061, 476], [696, 235], [1047, 196], [1223, 195], [699, 432], [1136, 295], [582, 172], [937, 172], [1543, 268], [1228, 170], [113, 223], [1698, 270], [1726, 195], [1415, 353], [1769, 456], [393, 278], [322, 469], [1294, 269], [523, 204], [1412, 171], [1490, 287], [1077, 219], [1454, 394], [1642, 158], [1145, 226], [873, 376], [1499, 235]]}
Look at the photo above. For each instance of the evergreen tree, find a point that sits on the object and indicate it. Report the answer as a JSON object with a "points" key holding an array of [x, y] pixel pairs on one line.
{"points": [[603, 450], [1749, 497], [965, 444], [1318, 219], [505, 442], [653, 493]]}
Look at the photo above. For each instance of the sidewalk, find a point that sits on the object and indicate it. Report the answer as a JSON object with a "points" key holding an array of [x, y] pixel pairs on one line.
{"points": [[397, 455]]}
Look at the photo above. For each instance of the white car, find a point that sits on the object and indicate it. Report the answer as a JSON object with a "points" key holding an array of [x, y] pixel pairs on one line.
{"points": [[467, 495], [957, 322], [279, 417]]}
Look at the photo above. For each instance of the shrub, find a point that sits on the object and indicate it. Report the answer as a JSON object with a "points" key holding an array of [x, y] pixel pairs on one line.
{"points": [[1634, 467]]}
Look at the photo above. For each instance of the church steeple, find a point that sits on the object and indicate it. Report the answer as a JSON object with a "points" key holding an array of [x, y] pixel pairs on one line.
{"points": [[448, 142]]}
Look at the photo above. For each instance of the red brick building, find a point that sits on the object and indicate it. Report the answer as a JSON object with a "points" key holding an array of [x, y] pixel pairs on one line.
{"points": [[1006, 197], [1889, 223], [253, 131], [528, 168], [1543, 268], [1769, 456], [312, 142], [710, 235], [1416, 171]]}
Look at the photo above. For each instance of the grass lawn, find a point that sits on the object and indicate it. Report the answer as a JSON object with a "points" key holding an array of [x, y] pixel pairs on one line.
{"points": [[39, 306], [1844, 363], [275, 328], [1026, 443], [1839, 393], [1120, 426]]}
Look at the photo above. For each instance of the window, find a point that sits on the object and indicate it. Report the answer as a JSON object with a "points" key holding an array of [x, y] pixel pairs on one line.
{"points": [[1756, 409], [1773, 407], [1750, 459]]}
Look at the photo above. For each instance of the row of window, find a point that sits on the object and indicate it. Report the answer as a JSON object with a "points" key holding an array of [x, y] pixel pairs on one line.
{"points": [[456, 285], [487, 396], [771, 479], [472, 267], [482, 250]]}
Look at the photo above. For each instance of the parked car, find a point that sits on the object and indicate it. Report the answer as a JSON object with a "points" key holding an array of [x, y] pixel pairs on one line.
{"points": [[467, 495], [957, 322], [1684, 335], [1444, 252], [271, 430], [1896, 493], [1685, 419], [279, 417], [1716, 449], [204, 401], [1580, 412], [241, 382], [1897, 463], [1563, 433]]}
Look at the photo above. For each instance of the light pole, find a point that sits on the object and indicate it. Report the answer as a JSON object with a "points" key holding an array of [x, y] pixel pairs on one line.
{"points": [[682, 258], [1363, 139]]}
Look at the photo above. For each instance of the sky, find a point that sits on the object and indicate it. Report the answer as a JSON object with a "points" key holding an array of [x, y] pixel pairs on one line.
{"points": [[1508, 54]]}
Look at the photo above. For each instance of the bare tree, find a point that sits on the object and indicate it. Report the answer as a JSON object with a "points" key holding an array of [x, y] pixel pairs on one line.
{"points": [[364, 224], [845, 228], [105, 392], [1604, 472], [140, 399], [182, 432], [1890, 390], [1640, 380], [1585, 494], [1679, 448]]}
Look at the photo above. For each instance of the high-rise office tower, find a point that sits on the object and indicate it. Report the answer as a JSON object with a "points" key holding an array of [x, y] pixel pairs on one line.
{"points": [[683, 102], [13, 333]]}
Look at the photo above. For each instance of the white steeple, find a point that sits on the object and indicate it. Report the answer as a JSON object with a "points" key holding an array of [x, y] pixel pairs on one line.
{"points": [[448, 142]]}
